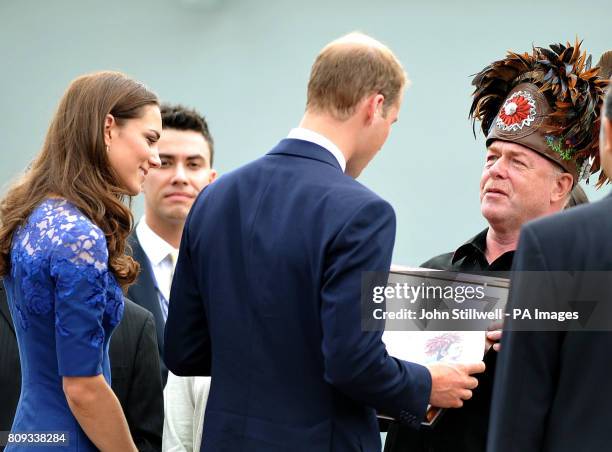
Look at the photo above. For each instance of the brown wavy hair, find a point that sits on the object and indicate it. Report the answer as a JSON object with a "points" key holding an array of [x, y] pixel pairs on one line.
{"points": [[73, 164]]}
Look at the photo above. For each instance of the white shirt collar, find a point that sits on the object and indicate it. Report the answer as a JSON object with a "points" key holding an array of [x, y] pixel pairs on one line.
{"points": [[156, 248], [299, 133]]}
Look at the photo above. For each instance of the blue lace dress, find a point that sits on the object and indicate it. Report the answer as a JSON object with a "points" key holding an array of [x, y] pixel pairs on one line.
{"points": [[65, 305]]}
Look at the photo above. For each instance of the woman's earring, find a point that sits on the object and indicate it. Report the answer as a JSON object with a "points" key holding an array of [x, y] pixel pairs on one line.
{"points": [[107, 148]]}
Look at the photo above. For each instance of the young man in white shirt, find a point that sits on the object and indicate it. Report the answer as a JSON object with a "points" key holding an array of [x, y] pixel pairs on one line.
{"points": [[186, 151]]}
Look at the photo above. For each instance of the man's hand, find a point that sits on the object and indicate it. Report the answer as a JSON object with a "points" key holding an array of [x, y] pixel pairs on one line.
{"points": [[493, 336], [451, 384]]}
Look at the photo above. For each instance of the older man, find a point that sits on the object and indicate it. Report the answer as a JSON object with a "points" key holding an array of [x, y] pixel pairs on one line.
{"points": [[532, 162], [550, 391]]}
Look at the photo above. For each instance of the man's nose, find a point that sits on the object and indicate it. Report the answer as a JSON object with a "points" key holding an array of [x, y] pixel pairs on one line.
{"points": [[499, 168], [180, 175]]}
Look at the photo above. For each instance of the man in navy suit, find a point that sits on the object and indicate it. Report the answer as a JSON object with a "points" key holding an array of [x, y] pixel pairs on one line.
{"points": [[551, 391], [186, 151], [266, 295]]}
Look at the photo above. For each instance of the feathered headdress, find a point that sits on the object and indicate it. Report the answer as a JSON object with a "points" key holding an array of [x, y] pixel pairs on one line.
{"points": [[549, 101], [605, 65]]}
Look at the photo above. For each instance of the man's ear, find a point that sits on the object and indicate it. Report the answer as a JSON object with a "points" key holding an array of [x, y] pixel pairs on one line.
{"points": [[563, 186], [374, 105], [212, 176], [605, 143], [606, 124], [110, 123]]}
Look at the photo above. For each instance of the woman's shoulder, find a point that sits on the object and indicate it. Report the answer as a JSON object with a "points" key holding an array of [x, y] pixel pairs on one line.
{"points": [[58, 225], [61, 216]]}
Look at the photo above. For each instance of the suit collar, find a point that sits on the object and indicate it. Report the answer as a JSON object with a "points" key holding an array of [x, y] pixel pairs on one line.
{"points": [[154, 247], [146, 277], [473, 252], [144, 291], [4, 309], [305, 149], [301, 133]]}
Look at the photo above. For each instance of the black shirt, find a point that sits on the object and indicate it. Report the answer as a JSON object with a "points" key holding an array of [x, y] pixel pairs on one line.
{"points": [[470, 257], [464, 429]]}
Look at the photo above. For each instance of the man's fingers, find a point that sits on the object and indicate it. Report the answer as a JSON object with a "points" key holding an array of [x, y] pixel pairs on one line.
{"points": [[474, 368], [471, 383], [494, 336], [466, 394]]}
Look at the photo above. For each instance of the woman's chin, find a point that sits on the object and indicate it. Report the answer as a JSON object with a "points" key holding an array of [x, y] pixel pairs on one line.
{"points": [[133, 189]]}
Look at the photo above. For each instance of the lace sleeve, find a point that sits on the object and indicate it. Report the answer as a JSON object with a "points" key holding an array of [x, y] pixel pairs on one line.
{"points": [[79, 270]]}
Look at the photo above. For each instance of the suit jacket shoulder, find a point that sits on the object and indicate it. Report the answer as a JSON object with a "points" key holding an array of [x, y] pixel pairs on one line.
{"points": [[575, 239], [314, 175]]}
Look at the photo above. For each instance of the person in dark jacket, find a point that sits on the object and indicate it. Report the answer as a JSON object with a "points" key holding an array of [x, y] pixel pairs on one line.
{"points": [[550, 391]]}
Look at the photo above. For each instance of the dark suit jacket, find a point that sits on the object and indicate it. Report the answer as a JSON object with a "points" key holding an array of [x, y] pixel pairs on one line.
{"points": [[10, 372], [552, 390], [135, 376], [144, 293], [134, 365], [266, 295]]}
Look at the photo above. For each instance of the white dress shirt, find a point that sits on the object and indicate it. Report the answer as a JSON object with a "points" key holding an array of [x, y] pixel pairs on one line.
{"points": [[184, 406], [158, 252], [299, 133]]}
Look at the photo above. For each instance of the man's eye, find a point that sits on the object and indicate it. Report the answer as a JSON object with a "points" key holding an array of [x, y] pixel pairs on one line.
{"points": [[195, 165], [165, 163]]}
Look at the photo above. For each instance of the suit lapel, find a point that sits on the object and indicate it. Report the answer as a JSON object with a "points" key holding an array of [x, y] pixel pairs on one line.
{"points": [[4, 309], [144, 291]]}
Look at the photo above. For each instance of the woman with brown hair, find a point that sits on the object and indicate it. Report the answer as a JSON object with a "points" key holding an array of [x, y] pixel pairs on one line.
{"points": [[63, 230]]}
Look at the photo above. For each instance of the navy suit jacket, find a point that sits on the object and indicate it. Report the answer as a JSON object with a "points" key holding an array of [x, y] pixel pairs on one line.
{"points": [[266, 299], [144, 293], [552, 390]]}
